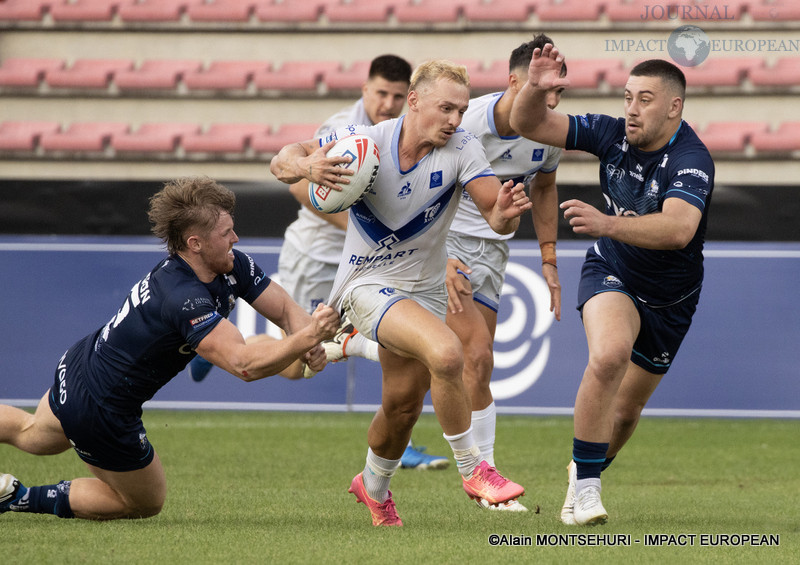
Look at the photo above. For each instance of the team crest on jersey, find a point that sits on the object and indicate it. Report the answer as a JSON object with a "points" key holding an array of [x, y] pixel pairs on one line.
{"points": [[231, 303], [612, 282], [436, 179], [405, 191], [538, 154], [652, 190]]}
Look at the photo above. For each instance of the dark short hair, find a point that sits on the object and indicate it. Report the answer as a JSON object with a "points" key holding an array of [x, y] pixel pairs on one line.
{"points": [[186, 204], [665, 70], [522, 55], [391, 68]]}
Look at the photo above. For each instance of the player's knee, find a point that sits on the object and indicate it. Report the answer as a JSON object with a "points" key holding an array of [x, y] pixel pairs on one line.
{"points": [[627, 415], [478, 364], [446, 359], [608, 366], [146, 509]]}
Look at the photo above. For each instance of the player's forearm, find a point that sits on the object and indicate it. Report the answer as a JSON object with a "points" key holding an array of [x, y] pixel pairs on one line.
{"points": [[545, 212], [267, 358], [286, 165], [501, 224], [652, 231], [529, 111]]}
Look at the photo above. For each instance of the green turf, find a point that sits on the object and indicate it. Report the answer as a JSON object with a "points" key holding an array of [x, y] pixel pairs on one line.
{"points": [[255, 487]]}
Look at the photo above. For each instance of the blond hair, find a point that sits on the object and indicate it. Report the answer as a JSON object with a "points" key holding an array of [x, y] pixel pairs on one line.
{"points": [[189, 203], [430, 71]]}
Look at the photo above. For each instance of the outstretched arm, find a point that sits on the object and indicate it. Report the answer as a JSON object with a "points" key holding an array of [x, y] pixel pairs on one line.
{"points": [[530, 116], [307, 160]]}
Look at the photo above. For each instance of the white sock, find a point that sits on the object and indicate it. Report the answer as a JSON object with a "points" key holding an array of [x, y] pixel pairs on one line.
{"points": [[581, 484], [466, 453], [483, 425], [360, 346], [377, 474]]}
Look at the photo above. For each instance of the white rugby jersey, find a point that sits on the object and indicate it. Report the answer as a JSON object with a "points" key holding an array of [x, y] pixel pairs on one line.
{"points": [[396, 234], [322, 240], [514, 157]]}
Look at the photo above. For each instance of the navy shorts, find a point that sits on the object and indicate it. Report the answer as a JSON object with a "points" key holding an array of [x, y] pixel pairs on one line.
{"points": [[105, 439], [662, 327]]}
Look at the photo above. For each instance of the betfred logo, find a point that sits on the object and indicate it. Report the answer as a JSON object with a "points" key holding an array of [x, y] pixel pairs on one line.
{"points": [[322, 192]]}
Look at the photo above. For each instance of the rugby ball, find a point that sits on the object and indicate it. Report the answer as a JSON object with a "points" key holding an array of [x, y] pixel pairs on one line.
{"points": [[365, 162]]}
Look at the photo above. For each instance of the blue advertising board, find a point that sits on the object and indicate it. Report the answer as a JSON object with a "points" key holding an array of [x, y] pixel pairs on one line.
{"points": [[739, 358]]}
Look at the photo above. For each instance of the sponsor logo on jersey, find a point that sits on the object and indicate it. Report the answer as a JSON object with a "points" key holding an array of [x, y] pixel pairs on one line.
{"points": [[612, 282], [506, 156], [637, 176], [436, 179], [200, 321], [694, 172], [387, 291], [614, 173], [405, 191], [538, 154]]}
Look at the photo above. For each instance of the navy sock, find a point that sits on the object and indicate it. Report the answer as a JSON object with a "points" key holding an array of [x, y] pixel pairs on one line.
{"points": [[589, 458], [47, 499], [607, 462]]}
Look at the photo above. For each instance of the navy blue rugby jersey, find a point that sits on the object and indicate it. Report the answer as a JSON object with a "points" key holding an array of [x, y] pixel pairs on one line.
{"points": [[636, 182], [154, 334]]}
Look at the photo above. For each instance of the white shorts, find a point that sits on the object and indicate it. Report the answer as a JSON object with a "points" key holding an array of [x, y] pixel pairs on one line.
{"points": [[308, 281], [367, 304], [488, 259]]}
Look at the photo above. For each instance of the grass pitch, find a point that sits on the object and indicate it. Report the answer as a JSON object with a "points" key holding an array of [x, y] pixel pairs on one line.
{"points": [[263, 487]]}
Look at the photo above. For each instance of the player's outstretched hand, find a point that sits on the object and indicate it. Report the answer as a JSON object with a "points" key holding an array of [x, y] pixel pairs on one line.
{"points": [[325, 322], [326, 171], [512, 200], [457, 283], [544, 71], [585, 219]]}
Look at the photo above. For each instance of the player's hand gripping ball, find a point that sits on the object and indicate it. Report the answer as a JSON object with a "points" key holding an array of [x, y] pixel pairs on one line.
{"points": [[365, 163]]}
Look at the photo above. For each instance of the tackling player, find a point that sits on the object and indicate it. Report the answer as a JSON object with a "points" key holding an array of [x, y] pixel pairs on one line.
{"points": [[179, 308]]}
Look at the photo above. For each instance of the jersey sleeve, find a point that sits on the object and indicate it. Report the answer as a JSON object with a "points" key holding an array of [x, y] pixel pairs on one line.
{"points": [[553, 158], [692, 179], [250, 279], [190, 310], [593, 133], [473, 161]]}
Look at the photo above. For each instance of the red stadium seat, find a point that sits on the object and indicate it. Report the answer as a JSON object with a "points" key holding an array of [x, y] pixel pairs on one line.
{"points": [[721, 71], [295, 75], [730, 136], [26, 10], [223, 138], [155, 10], [87, 73], [225, 75], [785, 139], [82, 136], [87, 10], [774, 10], [22, 136], [222, 11], [287, 133], [588, 73], [493, 78], [427, 11], [515, 11], [785, 72], [359, 10], [26, 72], [351, 79], [153, 138], [155, 75], [291, 12], [570, 10]]}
